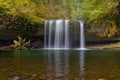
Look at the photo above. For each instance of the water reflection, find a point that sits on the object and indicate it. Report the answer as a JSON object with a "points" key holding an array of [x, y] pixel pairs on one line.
{"points": [[48, 61], [66, 66], [82, 64], [59, 65]]}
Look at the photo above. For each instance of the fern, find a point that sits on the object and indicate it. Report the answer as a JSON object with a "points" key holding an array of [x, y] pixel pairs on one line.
{"points": [[21, 43]]}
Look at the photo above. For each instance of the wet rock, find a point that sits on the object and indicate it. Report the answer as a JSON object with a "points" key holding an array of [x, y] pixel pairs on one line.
{"points": [[10, 47], [77, 78], [101, 79], [36, 44], [60, 76], [34, 75], [16, 78]]}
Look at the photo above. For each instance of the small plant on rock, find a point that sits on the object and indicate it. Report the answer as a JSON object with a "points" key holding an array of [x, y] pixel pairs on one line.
{"points": [[21, 44]]}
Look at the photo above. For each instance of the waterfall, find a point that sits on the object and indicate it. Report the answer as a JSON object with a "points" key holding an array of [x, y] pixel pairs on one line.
{"points": [[66, 33], [57, 35], [50, 34], [82, 38]]}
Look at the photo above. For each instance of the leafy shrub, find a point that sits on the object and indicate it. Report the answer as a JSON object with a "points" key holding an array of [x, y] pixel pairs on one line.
{"points": [[21, 43]]}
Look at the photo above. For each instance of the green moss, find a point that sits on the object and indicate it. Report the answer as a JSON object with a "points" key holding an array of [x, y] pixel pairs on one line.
{"points": [[113, 46]]}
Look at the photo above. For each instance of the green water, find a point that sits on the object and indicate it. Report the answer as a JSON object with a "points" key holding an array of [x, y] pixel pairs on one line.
{"points": [[60, 65]]}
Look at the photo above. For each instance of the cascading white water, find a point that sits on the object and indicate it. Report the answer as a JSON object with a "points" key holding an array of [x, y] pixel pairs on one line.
{"points": [[66, 33], [58, 36], [50, 34], [82, 38]]}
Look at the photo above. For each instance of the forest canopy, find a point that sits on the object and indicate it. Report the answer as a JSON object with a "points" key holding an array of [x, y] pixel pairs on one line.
{"points": [[102, 16]]}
